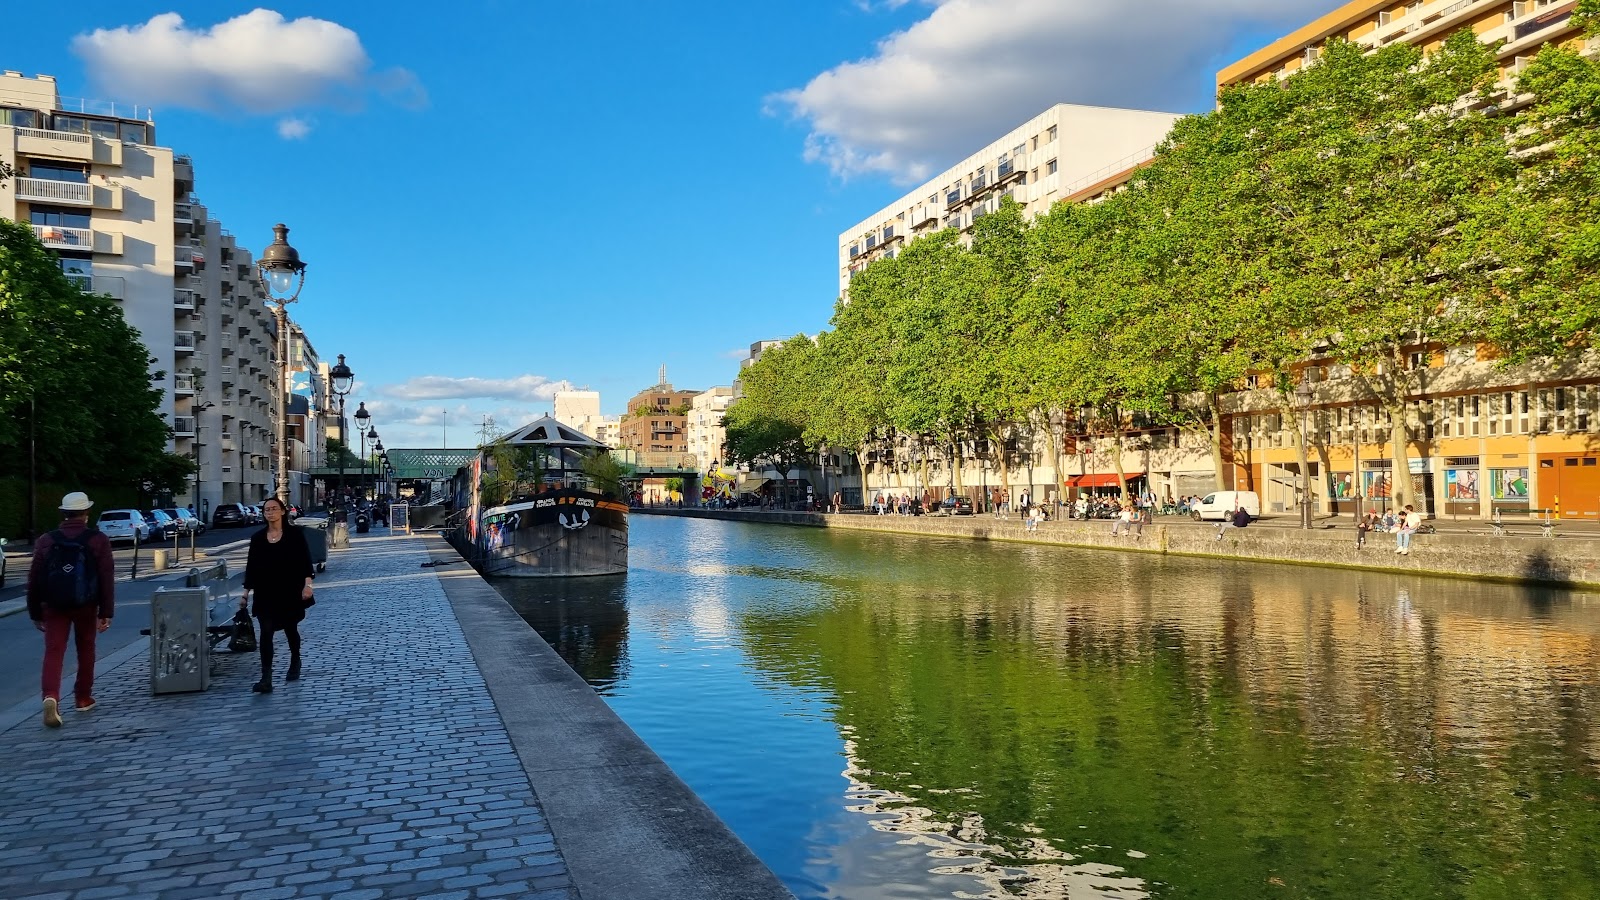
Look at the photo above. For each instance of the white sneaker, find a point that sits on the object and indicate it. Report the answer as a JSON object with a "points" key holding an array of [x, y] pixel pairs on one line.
{"points": [[52, 713]]}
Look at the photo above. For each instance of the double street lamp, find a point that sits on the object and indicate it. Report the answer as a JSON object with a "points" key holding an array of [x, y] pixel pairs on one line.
{"points": [[284, 275], [342, 380]]}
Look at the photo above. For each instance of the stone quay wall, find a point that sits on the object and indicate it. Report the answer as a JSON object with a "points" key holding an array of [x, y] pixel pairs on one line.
{"points": [[1568, 560]]}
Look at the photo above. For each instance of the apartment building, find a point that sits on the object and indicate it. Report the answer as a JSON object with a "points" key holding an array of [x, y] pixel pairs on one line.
{"points": [[1524, 25], [581, 410], [1037, 164], [657, 419], [704, 430], [121, 213]]}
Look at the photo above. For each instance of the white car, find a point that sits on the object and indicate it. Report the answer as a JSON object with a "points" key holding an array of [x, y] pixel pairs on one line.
{"points": [[124, 525]]}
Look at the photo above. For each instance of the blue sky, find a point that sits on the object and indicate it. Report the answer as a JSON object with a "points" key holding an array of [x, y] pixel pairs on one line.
{"points": [[495, 197]]}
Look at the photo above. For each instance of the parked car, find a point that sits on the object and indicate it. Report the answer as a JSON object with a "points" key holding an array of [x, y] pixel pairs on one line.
{"points": [[232, 514], [123, 525], [162, 526], [189, 519], [1218, 504], [954, 506], [188, 523], [256, 516]]}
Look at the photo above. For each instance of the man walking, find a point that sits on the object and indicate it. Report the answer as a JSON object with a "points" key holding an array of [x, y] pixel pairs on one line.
{"points": [[71, 588]]}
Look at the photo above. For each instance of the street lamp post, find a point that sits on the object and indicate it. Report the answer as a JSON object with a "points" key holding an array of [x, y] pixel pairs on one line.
{"points": [[197, 445], [284, 275], [343, 379], [377, 479], [362, 417], [1303, 396], [366, 458]]}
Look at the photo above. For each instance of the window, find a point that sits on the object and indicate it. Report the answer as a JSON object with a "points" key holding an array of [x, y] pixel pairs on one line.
{"points": [[51, 170], [136, 133], [1036, 142], [1050, 167], [62, 218], [1019, 149], [21, 118], [1052, 136]]}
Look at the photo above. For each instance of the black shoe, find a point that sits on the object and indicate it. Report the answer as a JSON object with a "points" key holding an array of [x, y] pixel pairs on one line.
{"points": [[294, 671], [262, 687]]}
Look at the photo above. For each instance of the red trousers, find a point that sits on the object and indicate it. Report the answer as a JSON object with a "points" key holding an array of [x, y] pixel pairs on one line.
{"points": [[83, 624]]}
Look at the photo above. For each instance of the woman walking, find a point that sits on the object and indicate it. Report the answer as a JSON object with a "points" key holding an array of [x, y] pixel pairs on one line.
{"points": [[278, 570]]}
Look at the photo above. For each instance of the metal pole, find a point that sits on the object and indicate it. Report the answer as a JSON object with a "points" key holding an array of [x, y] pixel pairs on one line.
{"points": [[281, 315], [344, 441], [1305, 477]]}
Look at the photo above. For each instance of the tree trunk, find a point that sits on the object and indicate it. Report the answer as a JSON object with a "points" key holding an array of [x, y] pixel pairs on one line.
{"points": [[1214, 402], [1054, 444], [1303, 491], [1399, 438], [998, 443], [1116, 463]]}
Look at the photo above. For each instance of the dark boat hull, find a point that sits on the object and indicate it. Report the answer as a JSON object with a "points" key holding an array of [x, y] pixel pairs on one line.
{"points": [[556, 534]]}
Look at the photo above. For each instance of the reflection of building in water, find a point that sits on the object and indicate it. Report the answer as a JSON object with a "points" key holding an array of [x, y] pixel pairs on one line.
{"points": [[1025, 868], [584, 619]]}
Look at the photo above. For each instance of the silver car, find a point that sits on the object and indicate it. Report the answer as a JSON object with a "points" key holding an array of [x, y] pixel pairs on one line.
{"points": [[123, 525]]}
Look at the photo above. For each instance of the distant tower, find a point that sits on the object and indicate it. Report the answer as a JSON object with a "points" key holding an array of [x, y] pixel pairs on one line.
{"points": [[662, 378]]}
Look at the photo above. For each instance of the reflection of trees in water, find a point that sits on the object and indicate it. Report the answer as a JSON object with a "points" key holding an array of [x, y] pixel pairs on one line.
{"points": [[1026, 867], [1337, 733], [584, 619]]}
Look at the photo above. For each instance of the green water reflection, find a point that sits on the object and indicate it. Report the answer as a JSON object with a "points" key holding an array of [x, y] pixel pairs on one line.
{"points": [[1087, 724]]}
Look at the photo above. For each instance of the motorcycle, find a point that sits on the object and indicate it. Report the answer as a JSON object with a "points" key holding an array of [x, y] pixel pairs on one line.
{"points": [[363, 522]]}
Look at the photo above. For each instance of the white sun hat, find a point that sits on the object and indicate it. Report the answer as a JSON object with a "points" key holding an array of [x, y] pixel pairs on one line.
{"points": [[77, 501]]}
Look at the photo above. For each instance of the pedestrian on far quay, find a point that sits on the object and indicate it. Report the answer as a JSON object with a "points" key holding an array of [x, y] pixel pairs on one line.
{"points": [[278, 570], [71, 589]]}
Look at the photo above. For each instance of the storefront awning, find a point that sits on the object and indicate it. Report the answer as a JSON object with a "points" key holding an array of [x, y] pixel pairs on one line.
{"points": [[1098, 480]]}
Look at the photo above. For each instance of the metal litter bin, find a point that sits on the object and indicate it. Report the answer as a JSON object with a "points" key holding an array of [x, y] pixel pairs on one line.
{"points": [[180, 653], [317, 540]]}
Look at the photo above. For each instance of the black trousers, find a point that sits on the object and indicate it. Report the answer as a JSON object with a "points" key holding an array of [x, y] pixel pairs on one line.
{"points": [[291, 631]]}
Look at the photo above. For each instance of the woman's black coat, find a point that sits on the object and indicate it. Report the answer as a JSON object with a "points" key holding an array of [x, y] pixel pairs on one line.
{"points": [[277, 573]]}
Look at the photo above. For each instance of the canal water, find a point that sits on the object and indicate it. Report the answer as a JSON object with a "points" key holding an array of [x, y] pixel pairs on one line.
{"points": [[896, 717]]}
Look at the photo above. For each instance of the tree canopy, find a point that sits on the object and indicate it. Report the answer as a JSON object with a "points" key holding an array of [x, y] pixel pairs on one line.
{"points": [[1365, 215]]}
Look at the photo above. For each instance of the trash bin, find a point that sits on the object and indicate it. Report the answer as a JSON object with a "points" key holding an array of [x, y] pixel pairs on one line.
{"points": [[158, 560], [180, 653], [317, 540]]}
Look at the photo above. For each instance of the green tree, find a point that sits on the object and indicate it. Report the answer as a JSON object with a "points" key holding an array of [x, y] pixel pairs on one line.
{"points": [[758, 438]]}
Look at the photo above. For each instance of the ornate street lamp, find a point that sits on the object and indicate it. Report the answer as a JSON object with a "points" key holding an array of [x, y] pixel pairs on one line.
{"points": [[342, 381], [372, 435], [284, 275], [377, 488], [362, 417]]}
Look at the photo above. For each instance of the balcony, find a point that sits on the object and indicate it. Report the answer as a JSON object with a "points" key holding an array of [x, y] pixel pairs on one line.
{"points": [[226, 374], [66, 193], [183, 383], [890, 235], [82, 282], [183, 426], [952, 198], [183, 300], [924, 215], [60, 237], [978, 183], [183, 341], [183, 218], [872, 242], [113, 286], [1009, 169], [58, 144]]}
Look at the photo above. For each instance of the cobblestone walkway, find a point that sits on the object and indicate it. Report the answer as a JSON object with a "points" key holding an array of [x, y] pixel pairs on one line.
{"points": [[384, 772]]}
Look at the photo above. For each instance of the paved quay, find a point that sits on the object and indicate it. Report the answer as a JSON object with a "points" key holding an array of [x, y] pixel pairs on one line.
{"points": [[1459, 549], [405, 763]]}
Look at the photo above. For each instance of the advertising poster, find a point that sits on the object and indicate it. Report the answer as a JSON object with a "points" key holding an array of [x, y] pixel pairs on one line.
{"points": [[1461, 485], [1509, 484], [473, 485], [1343, 486], [1376, 484]]}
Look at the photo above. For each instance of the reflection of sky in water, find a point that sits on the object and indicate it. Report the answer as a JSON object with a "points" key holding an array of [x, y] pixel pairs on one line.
{"points": [[1214, 690]]}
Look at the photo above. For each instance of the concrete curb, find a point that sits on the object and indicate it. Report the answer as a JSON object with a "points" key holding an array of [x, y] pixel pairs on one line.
{"points": [[626, 825]]}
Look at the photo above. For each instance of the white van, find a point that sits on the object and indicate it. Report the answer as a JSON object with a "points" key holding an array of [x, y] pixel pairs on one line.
{"points": [[1219, 504]]}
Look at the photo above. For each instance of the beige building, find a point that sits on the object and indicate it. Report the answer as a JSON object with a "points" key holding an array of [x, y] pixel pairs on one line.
{"points": [[1038, 163], [121, 213], [581, 410], [1524, 25], [706, 435]]}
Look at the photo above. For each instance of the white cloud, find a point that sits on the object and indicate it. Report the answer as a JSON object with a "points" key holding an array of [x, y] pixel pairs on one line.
{"points": [[404, 425], [293, 129], [258, 63], [523, 388], [974, 69]]}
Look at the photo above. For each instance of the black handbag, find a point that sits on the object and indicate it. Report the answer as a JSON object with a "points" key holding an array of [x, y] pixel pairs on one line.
{"points": [[244, 634]]}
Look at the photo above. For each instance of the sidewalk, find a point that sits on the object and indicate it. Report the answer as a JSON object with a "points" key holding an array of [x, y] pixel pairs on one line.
{"points": [[389, 770]]}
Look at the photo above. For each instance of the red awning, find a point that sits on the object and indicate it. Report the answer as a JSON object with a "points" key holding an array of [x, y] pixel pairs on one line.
{"points": [[1098, 481]]}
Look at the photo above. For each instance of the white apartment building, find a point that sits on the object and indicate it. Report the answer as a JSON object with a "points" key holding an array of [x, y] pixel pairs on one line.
{"points": [[121, 214], [1051, 156], [581, 410], [704, 429]]}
